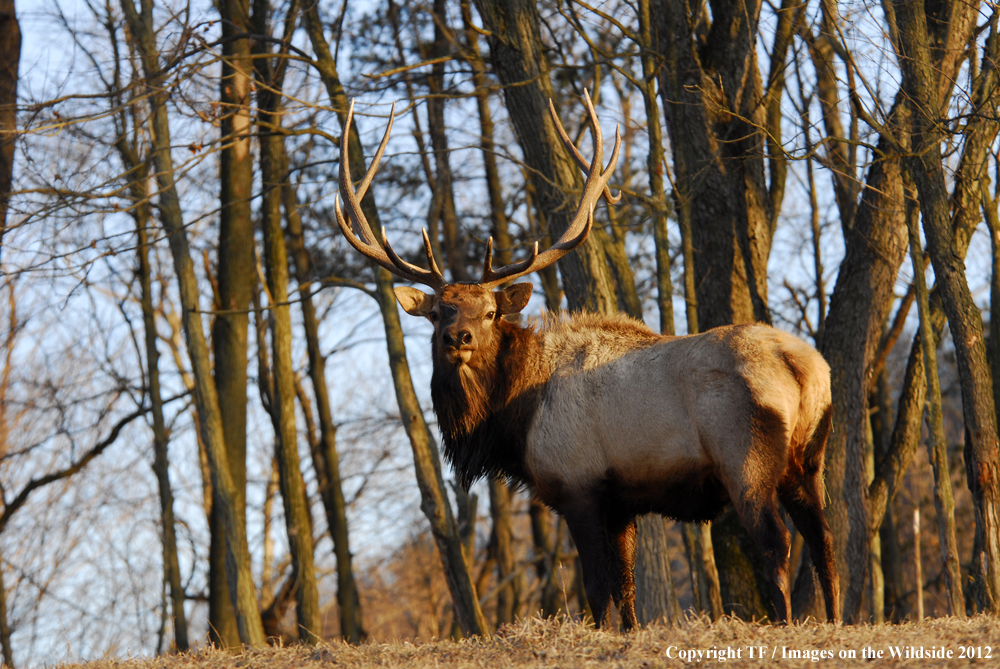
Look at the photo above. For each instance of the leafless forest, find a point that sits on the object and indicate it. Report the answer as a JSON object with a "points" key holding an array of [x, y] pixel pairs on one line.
{"points": [[215, 424]]}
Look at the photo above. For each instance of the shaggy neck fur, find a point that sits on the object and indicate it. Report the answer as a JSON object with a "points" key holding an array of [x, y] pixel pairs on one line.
{"points": [[485, 407]]}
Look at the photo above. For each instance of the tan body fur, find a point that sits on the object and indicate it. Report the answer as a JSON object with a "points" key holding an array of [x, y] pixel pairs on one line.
{"points": [[625, 401]]}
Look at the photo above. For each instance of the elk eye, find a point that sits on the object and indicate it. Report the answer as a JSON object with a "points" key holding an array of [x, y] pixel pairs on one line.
{"points": [[433, 316], [490, 316]]}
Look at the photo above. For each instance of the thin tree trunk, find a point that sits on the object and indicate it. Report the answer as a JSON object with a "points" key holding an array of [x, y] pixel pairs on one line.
{"points": [[235, 280], [454, 247], [541, 537], [267, 568], [5, 647], [522, 68], [273, 172], [326, 461], [964, 318], [171, 566], [918, 565], [937, 446], [434, 499], [239, 577], [654, 168], [142, 214], [10, 59], [892, 566], [654, 585], [876, 581], [993, 223], [509, 597]]}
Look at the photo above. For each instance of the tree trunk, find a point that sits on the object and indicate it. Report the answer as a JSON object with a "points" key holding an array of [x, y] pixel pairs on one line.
{"points": [[454, 243], [171, 566], [427, 462], [509, 597], [236, 276], [720, 178], [654, 586], [273, 173], [979, 133], [227, 500], [326, 461], [654, 167], [964, 318], [521, 65], [937, 447], [5, 647], [10, 59], [892, 565], [499, 228], [993, 223], [876, 581], [545, 549]]}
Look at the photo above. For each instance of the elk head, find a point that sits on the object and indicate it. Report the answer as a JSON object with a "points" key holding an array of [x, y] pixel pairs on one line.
{"points": [[466, 316]]}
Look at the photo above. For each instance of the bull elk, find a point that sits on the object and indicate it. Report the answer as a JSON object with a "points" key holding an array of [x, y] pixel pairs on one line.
{"points": [[604, 419]]}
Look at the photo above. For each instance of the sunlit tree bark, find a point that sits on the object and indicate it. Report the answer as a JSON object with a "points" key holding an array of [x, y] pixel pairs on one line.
{"points": [[238, 573], [235, 277]]}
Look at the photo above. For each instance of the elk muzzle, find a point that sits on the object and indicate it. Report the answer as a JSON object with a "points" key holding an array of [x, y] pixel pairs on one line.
{"points": [[458, 345]]}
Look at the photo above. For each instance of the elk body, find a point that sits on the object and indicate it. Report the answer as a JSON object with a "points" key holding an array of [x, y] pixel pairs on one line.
{"points": [[605, 420]]}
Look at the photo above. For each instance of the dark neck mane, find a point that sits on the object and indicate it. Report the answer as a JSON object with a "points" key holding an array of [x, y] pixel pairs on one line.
{"points": [[485, 408]]}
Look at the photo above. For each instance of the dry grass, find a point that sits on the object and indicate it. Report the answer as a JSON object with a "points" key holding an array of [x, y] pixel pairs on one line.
{"points": [[568, 644]]}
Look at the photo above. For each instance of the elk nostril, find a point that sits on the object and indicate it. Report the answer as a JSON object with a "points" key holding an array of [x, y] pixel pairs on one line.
{"points": [[465, 338], [448, 339]]}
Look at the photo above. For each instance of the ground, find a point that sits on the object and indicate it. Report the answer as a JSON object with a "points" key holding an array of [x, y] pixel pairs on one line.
{"points": [[568, 644]]}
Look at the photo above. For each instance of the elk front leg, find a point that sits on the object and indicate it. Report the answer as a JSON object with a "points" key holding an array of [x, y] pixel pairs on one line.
{"points": [[587, 529], [607, 557]]}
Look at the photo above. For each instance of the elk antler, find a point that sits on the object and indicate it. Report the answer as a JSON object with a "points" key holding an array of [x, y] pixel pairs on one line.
{"points": [[368, 246], [595, 186]]}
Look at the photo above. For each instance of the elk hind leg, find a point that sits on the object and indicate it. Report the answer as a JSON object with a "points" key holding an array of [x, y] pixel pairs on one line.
{"points": [[622, 536], [752, 482], [760, 516], [804, 503]]}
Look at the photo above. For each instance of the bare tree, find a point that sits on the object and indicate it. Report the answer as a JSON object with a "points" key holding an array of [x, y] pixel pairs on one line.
{"points": [[242, 592], [235, 277], [269, 80], [923, 85]]}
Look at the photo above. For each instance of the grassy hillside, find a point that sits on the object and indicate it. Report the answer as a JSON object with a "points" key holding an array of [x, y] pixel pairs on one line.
{"points": [[538, 643]]}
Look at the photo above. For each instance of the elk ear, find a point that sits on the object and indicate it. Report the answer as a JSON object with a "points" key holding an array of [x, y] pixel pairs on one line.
{"points": [[512, 299], [414, 302]]}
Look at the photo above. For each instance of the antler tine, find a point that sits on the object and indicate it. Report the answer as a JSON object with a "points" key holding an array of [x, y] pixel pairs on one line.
{"points": [[431, 262], [368, 246], [347, 191], [595, 186], [370, 174], [431, 277], [598, 144], [491, 278]]}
